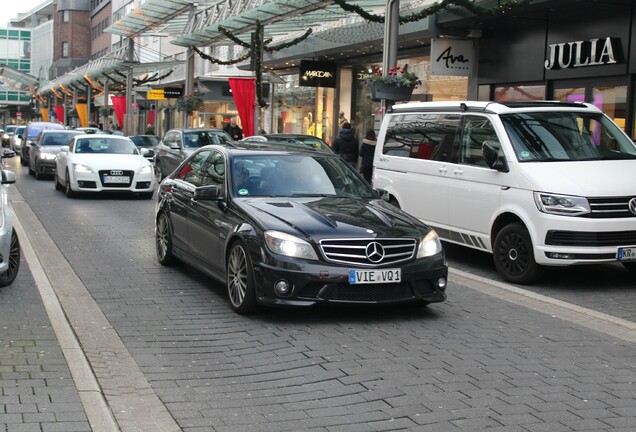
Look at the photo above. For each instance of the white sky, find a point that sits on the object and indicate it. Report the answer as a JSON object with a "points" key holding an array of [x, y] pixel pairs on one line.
{"points": [[11, 9]]}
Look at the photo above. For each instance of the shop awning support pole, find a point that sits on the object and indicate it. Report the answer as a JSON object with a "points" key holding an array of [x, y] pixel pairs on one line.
{"points": [[391, 32], [128, 117]]}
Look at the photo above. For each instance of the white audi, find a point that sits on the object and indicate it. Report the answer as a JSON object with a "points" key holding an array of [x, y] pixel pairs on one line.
{"points": [[103, 163]]}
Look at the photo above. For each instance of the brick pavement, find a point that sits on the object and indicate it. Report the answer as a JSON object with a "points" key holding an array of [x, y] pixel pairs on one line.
{"points": [[476, 362]]}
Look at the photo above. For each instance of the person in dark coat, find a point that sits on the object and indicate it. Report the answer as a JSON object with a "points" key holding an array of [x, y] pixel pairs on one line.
{"points": [[234, 130], [346, 144], [366, 152]]}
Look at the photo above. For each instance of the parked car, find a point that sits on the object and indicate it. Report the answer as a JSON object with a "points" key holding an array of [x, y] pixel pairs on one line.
{"points": [[178, 144], [46, 147], [533, 183], [9, 242], [31, 132], [16, 140], [308, 140], [103, 163], [146, 144], [9, 130], [294, 227], [90, 130]]}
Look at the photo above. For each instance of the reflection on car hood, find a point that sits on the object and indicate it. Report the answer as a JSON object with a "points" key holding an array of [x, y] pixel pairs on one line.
{"points": [[322, 218], [111, 161], [50, 149]]}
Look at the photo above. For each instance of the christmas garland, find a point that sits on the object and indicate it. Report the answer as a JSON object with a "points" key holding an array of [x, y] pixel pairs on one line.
{"points": [[504, 5], [281, 46], [219, 61]]}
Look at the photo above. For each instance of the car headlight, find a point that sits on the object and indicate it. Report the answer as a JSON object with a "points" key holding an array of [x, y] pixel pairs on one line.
{"points": [[289, 245], [429, 245], [146, 169], [47, 156], [79, 168], [563, 205]]}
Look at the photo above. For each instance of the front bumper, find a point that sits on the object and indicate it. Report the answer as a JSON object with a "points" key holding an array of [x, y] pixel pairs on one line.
{"points": [[93, 182], [322, 282]]}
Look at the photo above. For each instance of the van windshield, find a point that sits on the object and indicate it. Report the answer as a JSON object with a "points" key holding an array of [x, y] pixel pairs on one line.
{"points": [[566, 136]]}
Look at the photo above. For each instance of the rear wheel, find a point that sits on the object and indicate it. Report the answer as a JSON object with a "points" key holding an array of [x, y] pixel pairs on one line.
{"points": [[10, 274], [240, 280], [514, 255], [163, 240], [395, 202]]}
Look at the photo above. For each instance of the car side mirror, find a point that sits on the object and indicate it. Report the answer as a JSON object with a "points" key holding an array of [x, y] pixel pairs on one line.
{"points": [[175, 146], [20, 136], [8, 177], [207, 193], [65, 149], [492, 157], [383, 194]]}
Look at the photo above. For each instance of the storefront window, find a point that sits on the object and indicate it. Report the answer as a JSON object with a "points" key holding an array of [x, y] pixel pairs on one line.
{"points": [[521, 93], [610, 99], [303, 110]]}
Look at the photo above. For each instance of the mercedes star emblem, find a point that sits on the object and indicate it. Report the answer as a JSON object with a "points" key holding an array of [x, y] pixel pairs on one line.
{"points": [[375, 252]]}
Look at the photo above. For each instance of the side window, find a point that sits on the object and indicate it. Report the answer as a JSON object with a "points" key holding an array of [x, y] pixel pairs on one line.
{"points": [[475, 131], [214, 170], [168, 139], [430, 136], [193, 171]]}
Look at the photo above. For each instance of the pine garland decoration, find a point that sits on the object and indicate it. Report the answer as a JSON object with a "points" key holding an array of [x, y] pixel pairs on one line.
{"points": [[219, 61]]}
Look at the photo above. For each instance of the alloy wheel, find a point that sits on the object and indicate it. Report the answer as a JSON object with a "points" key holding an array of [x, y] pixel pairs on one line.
{"points": [[10, 274]]}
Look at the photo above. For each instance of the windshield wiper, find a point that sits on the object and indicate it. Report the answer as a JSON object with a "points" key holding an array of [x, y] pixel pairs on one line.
{"points": [[312, 195]]}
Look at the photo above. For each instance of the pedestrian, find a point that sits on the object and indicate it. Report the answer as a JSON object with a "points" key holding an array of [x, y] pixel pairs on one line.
{"points": [[150, 130], [342, 119], [346, 144], [234, 130], [366, 152]]}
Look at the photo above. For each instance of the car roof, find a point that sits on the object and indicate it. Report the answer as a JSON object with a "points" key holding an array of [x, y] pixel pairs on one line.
{"points": [[57, 131], [196, 130], [254, 148], [493, 107]]}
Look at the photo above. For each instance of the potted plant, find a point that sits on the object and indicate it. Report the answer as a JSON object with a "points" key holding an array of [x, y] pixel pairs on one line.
{"points": [[188, 103], [397, 84]]}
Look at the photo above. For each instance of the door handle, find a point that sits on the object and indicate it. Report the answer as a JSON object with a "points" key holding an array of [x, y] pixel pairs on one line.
{"points": [[458, 172], [443, 170]]}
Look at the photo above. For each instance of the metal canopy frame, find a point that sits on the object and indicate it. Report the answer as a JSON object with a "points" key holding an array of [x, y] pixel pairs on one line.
{"points": [[18, 79]]}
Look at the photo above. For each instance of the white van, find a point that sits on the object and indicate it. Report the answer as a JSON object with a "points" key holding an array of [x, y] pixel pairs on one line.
{"points": [[534, 183]]}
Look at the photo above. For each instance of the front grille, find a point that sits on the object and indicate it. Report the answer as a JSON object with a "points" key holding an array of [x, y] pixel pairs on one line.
{"points": [[354, 251], [610, 208], [128, 174], [590, 239], [358, 293]]}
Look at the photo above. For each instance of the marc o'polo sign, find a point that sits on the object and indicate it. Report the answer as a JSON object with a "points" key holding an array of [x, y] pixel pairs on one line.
{"points": [[318, 73], [453, 57]]}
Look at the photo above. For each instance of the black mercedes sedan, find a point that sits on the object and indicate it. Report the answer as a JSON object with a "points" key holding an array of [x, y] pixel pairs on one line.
{"points": [[294, 227]]}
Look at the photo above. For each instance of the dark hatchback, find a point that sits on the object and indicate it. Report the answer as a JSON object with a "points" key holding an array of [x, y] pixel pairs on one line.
{"points": [[294, 227]]}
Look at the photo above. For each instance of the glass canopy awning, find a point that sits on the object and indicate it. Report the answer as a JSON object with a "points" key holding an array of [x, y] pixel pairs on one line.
{"points": [[19, 80]]}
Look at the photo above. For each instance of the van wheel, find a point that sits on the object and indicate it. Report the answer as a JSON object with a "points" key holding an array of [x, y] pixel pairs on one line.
{"points": [[514, 255], [395, 202], [631, 266]]}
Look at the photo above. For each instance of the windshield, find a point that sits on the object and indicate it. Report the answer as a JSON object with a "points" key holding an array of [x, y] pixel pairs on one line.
{"points": [[145, 140], [20, 130], [35, 129], [56, 139], [566, 136], [106, 145], [10, 129], [203, 138], [295, 176]]}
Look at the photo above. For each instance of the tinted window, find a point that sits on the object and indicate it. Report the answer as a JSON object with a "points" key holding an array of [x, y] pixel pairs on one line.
{"points": [[105, 145], [475, 131], [422, 136], [192, 171], [566, 136], [57, 139], [203, 138]]}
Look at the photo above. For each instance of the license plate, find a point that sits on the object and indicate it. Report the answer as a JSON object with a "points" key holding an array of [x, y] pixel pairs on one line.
{"points": [[375, 276], [116, 179], [626, 254]]}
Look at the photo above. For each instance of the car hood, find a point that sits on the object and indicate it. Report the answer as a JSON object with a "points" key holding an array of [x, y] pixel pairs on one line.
{"points": [[330, 217], [50, 149], [111, 161], [583, 178]]}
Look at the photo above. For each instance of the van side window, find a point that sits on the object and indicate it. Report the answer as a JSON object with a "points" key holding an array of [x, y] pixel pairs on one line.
{"points": [[422, 136], [476, 130]]}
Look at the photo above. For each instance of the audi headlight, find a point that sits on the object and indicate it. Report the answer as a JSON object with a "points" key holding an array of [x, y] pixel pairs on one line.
{"points": [[289, 245], [564, 205], [79, 168], [429, 246], [47, 156], [146, 169]]}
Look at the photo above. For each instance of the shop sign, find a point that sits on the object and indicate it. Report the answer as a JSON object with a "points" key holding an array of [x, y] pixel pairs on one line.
{"points": [[156, 94], [452, 57], [582, 53], [172, 92], [317, 74]]}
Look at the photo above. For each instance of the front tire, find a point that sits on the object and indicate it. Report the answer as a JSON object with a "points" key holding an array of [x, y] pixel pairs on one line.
{"points": [[58, 185], [67, 188], [158, 171], [514, 255], [240, 280], [163, 240], [10, 274]]}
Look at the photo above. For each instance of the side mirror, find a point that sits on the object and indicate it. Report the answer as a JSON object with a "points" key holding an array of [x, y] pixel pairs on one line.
{"points": [[8, 177], [8, 153], [175, 146], [207, 193], [492, 158], [65, 149], [383, 194], [20, 136], [144, 151]]}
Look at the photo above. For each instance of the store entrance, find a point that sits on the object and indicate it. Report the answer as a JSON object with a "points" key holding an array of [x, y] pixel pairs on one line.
{"points": [[608, 95]]}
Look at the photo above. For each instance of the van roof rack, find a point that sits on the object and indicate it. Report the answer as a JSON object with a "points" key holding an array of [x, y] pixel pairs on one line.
{"points": [[533, 104]]}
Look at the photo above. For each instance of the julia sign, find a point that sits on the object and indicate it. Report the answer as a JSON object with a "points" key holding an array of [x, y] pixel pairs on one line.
{"points": [[581, 53]]}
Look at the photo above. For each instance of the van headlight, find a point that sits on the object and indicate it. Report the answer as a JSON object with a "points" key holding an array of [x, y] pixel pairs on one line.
{"points": [[429, 245], [289, 245], [564, 205]]}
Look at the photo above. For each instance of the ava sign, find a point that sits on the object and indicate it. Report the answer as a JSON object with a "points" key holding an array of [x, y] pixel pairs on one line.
{"points": [[452, 57]]}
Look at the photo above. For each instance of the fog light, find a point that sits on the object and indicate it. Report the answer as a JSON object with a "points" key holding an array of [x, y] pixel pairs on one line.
{"points": [[559, 255], [282, 288], [441, 282]]}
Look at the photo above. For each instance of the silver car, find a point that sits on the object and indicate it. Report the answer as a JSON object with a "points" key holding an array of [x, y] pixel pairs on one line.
{"points": [[178, 144], [9, 243], [44, 149], [16, 140]]}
